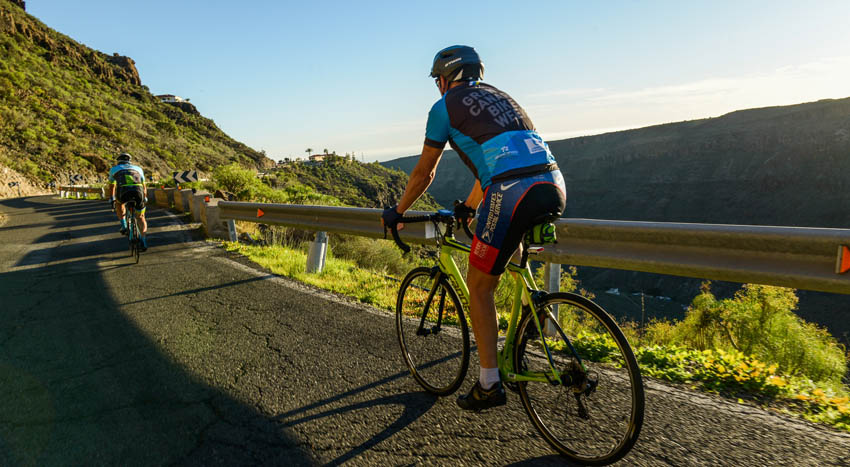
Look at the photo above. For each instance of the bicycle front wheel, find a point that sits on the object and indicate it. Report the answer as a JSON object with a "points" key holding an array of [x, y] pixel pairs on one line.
{"points": [[594, 415], [432, 331]]}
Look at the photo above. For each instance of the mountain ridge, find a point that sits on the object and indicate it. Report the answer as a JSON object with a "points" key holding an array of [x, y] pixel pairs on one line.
{"points": [[714, 170]]}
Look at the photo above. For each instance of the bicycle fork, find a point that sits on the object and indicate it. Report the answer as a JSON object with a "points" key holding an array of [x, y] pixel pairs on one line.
{"points": [[422, 330]]}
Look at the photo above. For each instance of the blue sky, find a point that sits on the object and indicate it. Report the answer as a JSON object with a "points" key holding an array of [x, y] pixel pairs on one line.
{"points": [[351, 76]]}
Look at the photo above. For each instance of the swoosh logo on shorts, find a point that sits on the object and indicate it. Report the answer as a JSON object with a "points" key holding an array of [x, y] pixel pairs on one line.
{"points": [[508, 187]]}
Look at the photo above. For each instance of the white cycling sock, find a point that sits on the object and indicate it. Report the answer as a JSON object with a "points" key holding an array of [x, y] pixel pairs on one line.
{"points": [[488, 377]]}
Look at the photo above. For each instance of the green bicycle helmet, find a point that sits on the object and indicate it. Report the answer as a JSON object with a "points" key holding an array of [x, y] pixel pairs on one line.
{"points": [[457, 63]]}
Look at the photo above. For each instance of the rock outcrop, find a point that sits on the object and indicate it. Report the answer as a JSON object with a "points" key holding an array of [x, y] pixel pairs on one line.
{"points": [[127, 67]]}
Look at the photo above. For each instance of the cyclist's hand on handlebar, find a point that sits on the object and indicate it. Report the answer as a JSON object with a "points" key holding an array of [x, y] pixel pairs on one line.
{"points": [[463, 212], [391, 217], [464, 215]]}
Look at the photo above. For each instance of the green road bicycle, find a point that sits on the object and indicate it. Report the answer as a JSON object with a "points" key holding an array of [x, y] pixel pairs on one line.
{"points": [[562, 353], [133, 233]]}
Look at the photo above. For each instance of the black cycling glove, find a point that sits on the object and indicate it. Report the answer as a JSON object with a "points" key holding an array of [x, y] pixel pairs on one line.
{"points": [[391, 217], [462, 211]]}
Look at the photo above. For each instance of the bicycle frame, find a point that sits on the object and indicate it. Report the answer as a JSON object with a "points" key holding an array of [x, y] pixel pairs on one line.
{"points": [[524, 290]]}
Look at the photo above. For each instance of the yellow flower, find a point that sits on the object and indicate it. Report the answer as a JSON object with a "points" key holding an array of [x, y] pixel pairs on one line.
{"points": [[801, 397], [818, 393], [777, 381]]}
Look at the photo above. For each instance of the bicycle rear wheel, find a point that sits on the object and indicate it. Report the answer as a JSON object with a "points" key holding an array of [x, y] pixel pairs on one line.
{"points": [[432, 331], [137, 243], [595, 417]]}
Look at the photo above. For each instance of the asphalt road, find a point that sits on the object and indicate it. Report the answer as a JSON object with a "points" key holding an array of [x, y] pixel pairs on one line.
{"points": [[196, 357]]}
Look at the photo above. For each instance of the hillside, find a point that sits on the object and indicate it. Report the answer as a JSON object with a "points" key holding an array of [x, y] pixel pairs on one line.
{"points": [[771, 166], [353, 183], [66, 108]]}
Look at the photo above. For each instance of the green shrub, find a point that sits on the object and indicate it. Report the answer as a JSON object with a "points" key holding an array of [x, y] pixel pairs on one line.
{"points": [[377, 255], [759, 321]]}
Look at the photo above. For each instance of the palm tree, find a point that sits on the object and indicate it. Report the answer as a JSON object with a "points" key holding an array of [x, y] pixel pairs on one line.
{"points": [[326, 150], [309, 151]]}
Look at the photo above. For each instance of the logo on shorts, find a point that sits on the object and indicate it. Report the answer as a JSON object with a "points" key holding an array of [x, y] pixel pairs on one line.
{"points": [[492, 217], [481, 249], [508, 187]]}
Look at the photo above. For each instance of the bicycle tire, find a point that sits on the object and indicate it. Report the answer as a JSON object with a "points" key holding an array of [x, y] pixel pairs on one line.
{"points": [[137, 248], [437, 357], [614, 409]]}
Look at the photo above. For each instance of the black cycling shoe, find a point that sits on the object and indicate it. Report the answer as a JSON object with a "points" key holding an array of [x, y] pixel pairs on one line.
{"points": [[478, 399], [123, 231]]}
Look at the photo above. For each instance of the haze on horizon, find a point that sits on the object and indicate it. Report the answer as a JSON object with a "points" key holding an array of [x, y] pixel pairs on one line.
{"points": [[283, 77]]}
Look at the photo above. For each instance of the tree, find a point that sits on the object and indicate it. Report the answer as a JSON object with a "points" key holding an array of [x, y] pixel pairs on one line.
{"points": [[309, 151], [326, 150]]}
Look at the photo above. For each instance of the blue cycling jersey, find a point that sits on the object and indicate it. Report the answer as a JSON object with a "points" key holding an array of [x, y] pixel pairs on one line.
{"points": [[490, 132], [127, 174]]}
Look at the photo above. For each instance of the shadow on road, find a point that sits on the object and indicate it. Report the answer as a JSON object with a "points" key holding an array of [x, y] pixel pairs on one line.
{"points": [[82, 383], [86, 219], [415, 405]]}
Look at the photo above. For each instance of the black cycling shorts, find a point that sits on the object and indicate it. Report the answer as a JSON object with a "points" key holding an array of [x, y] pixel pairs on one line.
{"points": [[134, 195], [509, 209]]}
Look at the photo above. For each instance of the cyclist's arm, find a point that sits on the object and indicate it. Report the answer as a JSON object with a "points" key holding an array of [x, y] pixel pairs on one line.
{"points": [[420, 177], [113, 189]]}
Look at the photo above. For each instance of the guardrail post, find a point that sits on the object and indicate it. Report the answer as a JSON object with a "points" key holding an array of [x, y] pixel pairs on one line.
{"points": [[316, 255], [231, 230], [197, 200], [552, 281], [78, 195], [103, 192]]}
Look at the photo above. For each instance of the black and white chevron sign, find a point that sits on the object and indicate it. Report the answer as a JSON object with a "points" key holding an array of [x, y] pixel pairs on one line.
{"points": [[186, 176], [76, 179], [11, 184]]}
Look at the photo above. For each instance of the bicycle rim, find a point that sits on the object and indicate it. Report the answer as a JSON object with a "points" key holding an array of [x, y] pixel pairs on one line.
{"points": [[437, 350], [603, 423]]}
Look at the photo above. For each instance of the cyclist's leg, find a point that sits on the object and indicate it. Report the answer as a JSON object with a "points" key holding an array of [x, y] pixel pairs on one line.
{"points": [[482, 312], [120, 210], [507, 212]]}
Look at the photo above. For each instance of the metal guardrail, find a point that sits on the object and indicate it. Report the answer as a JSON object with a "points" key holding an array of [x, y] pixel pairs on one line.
{"points": [[798, 257], [65, 191]]}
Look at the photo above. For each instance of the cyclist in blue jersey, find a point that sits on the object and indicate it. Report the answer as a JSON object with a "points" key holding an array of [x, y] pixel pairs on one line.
{"points": [[128, 186], [516, 177]]}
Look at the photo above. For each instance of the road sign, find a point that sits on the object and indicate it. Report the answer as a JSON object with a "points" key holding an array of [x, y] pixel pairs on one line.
{"points": [[52, 184], [11, 184], [185, 176], [76, 179]]}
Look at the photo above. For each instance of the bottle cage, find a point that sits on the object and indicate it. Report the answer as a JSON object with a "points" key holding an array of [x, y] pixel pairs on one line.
{"points": [[541, 234]]}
